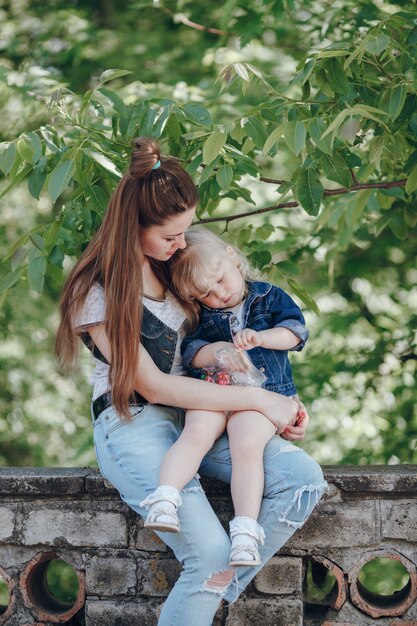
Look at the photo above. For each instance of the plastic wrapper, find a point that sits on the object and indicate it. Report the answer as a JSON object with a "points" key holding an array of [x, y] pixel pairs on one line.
{"points": [[233, 367]]}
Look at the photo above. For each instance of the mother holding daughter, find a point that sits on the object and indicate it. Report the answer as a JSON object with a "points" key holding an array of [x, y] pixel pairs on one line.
{"points": [[118, 300]]}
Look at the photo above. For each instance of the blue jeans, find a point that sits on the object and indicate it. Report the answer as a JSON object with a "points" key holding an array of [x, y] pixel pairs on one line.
{"points": [[129, 455]]}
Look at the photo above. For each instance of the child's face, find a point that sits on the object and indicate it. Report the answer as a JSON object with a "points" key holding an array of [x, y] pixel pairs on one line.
{"points": [[226, 287]]}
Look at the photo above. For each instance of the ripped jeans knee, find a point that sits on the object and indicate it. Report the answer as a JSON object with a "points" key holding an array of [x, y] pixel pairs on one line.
{"points": [[218, 582], [302, 504]]}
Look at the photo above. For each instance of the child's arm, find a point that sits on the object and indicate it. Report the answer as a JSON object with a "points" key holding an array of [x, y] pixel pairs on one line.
{"points": [[279, 338], [206, 355]]}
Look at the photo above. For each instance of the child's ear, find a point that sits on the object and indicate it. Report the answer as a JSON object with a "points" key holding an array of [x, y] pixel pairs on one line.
{"points": [[233, 255]]}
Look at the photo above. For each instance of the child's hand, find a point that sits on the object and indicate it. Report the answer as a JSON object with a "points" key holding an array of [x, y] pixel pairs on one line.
{"points": [[297, 431], [247, 339], [233, 360]]}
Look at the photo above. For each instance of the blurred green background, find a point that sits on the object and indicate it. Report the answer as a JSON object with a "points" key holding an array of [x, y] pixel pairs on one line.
{"points": [[357, 373]]}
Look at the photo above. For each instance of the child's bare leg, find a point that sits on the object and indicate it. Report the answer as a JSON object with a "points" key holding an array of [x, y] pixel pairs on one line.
{"points": [[249, 432], [183, 459], [179, 465]]}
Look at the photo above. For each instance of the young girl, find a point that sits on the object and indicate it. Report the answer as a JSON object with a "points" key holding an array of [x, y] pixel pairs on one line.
{"points": [[118, 299], [238, 311]]}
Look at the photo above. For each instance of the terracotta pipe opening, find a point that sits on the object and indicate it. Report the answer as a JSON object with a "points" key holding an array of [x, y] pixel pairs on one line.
{"points": [[52, 587], [324, 583], [383, 583], [6, 596]]}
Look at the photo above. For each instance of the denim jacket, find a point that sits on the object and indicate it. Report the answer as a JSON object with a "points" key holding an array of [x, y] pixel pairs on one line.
{"points": [[266, 306]]}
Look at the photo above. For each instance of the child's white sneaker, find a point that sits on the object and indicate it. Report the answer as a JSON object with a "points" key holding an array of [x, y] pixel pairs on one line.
{"points": [[245, 533], [163, 504]]}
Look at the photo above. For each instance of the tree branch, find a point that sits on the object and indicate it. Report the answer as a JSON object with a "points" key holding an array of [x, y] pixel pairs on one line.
{"points": [[184, 20], [284, 205]]}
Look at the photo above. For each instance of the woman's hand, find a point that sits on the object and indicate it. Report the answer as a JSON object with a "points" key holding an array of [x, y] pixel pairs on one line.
{"points": [[280, 410], [297, 431]]}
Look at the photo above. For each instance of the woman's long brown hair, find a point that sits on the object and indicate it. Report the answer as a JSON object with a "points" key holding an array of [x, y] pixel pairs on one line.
{"points": [[144, 197]]}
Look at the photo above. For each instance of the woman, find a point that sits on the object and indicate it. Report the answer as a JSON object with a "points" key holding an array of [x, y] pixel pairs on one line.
{"points": [[118, 299]]}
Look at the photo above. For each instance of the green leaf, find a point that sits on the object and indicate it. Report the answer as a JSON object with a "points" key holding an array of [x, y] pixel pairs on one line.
{"points": [[108, 75], [397, 98], [208, 171], [36, 273], [357, 53], [197, 114], [193, 166], [412, 37], [36, 145], [104, 161], [147, 123], [256, 131], [16, 180], [398, 226], [376, 45], [36, 181], [173, 127], [335, 168], [295, 136], [25, 148], [411, 184], [59, 178], [10, 279], [241, 71], [213, 146], [7, 156], [317, 128], [323, 83], [115, 99], [303, 76], [309, 191], [288, 267], [52, 233], [98, 196], [303, 295], [224, 176], [336, 76], [264, 231]]}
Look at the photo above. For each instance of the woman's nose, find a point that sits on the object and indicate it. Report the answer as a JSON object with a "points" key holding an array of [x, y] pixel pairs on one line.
{"points": [[181, 242]]}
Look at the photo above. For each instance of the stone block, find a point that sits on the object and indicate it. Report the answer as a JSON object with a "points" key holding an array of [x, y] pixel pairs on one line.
{"points": [[383, 479], [399, 520], [268, 612], [121, 613], [75, 524], [111, 576], [33, 481], [338, 525], [7, 521], [281, 575], [157, 576], [143, 539]]}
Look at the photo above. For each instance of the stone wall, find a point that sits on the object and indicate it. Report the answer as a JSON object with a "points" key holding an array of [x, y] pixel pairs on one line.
{"points": [[125, 572]]}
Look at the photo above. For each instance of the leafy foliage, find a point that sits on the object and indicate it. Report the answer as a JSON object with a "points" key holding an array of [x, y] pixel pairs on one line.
{"points": [[320, 138]]}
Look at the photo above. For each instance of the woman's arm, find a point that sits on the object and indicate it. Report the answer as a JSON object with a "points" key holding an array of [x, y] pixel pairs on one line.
{"points": [[189, 393]]}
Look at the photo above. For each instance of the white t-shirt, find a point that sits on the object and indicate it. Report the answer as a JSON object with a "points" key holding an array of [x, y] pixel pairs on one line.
{"points": [[169, 311], [236, 320]]}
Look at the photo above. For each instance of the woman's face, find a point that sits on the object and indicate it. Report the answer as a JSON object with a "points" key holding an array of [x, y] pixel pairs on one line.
{"points": [[162, 241]]}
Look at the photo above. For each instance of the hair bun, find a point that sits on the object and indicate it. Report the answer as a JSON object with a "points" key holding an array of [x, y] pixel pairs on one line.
{"points": [[145, 155]]}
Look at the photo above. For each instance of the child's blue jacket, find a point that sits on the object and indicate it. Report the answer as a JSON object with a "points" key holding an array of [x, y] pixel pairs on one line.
{"points": [[266, 306]]}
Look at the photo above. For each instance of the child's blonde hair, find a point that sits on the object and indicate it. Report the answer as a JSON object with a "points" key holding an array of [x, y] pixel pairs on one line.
{"points": [[191, 267]]}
